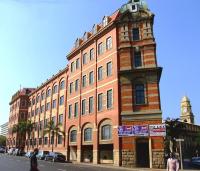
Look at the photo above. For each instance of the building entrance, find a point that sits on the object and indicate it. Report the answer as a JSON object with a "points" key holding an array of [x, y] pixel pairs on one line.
{"points": [[73, 153], [87, 153], [106, 153], [142, 153]]}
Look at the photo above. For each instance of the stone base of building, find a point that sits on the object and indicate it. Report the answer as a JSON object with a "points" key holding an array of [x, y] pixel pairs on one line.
{"points": [[128, 158], [158, 159]]}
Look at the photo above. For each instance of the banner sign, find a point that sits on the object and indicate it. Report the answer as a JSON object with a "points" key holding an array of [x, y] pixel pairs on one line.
{"points": [[141, 130], [157, 130], [125, 131]]}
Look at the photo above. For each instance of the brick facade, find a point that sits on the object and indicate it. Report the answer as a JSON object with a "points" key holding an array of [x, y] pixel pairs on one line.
{"points": [[112, 79]]}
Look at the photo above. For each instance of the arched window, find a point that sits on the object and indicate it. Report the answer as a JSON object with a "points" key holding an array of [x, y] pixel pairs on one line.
{"points": [[139, 94], [48, 92], [106, 132], [55, 89], [88, 134], [62, 84], [42, 96], [73, 136]]}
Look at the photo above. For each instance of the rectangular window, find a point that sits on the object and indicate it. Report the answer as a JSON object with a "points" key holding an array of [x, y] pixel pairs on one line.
{"points": [[60, 119], [72, 67], [59, 139], [40, 141], [109, 43], [47, 106], [42, 96], [61, 101], [70, 111], [37, 98], [100, 73], [42, 109], [77, 63], [139, 94], [91, 77], [137, 59], [32, 113], [76, 84], [109, 69], [41, 125], [54, 120], [136, 34], [71, 88], [37, 111], [109, 99], [54, 104], [45, 140], [84, 58], [100, 48], [76, 109], [100, 102], [83, 107], [91, 104], [45, 123], [84, 81], [91, 54]]}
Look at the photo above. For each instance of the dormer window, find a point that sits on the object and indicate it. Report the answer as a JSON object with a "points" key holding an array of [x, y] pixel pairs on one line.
{"points": [[76, 43], [85, 36], [105, 21], [94, 29]]}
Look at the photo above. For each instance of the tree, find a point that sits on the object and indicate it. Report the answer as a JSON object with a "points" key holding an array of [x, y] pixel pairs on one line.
{"points": [[29, 130], [53, 130], [2, 140], [173, 130]]}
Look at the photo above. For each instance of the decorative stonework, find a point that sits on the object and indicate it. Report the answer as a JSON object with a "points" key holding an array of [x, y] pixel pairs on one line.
{"points": [[128, 158], [158, 159]]}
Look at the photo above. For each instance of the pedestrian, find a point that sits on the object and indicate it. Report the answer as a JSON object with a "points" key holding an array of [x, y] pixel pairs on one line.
{"points": [[33, 160], [172, 163]]}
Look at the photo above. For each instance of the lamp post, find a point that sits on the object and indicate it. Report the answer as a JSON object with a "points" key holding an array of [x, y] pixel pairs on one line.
{"points": [[180, 140]]}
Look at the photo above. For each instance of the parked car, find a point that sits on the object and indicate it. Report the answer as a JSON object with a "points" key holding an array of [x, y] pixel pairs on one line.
{"points": [[15, 152], [42, 154], [55, 156], [29, 154], [195, 162], [11, 150], [2, 150]]}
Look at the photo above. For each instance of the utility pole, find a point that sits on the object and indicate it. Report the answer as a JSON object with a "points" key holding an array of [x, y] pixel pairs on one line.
{"points": [[180, 140]]}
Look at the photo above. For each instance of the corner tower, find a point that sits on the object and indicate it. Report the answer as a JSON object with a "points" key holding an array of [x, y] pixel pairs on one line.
{"points": [[139, 76]]}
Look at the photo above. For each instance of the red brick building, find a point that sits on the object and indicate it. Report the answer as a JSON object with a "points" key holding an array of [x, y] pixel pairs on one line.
{"points": [[112, 80], [18, 112], [48, 102]]}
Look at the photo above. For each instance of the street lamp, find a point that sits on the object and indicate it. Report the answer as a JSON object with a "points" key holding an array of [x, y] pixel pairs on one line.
{"points": [[180, 140]]}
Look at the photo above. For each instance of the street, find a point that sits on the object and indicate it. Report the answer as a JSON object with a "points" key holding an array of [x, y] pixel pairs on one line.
{"points": [[16, 163]]}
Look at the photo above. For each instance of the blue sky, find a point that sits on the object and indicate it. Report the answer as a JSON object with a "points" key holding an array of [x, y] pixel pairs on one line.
{"points": [[36, 35]]}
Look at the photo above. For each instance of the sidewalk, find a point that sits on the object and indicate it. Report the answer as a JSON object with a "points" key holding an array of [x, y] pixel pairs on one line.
{"points": [[109, 166]]}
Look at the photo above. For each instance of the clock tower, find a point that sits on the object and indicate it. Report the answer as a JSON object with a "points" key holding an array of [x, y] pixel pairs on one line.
{"points": [[186, 111]]}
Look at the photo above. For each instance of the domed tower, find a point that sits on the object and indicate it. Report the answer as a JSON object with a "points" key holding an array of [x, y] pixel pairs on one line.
{"points": [[186, 111]]}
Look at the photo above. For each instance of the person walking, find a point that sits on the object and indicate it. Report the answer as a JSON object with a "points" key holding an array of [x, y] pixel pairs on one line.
{"points": [[172, 163], [33, 161]]}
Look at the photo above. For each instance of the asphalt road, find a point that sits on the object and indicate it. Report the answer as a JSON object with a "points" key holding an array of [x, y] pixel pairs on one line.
{"points": [[16, 163]]}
